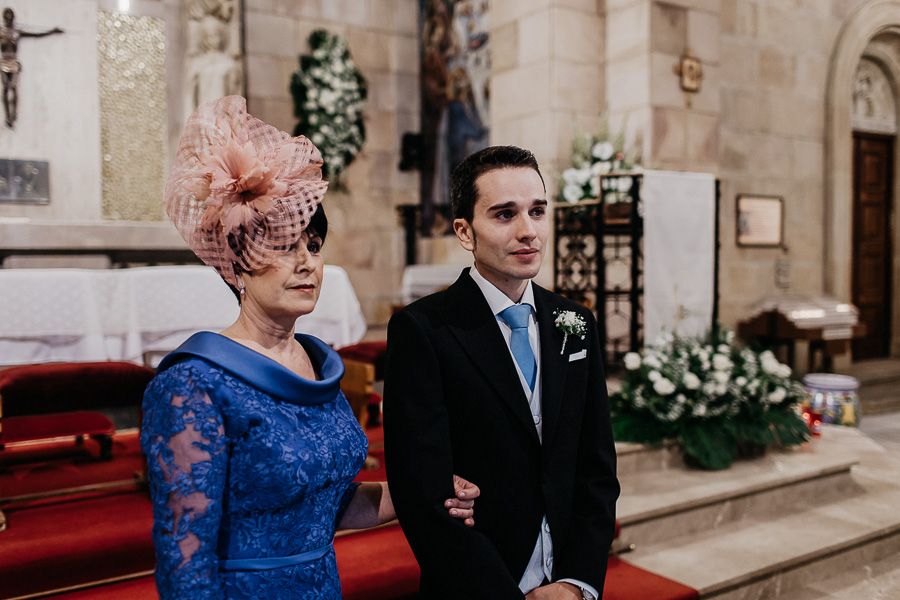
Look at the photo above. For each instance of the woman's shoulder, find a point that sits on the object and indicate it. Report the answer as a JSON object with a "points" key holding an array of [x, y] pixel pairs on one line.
{"points": [[188, 374]]}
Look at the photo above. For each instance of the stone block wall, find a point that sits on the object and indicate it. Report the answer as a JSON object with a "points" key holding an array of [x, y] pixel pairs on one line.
{"points": [[772, 79], [364, 233]]}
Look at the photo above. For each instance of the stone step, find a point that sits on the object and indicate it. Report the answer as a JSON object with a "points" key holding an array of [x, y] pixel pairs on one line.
{"points": [[779, 553], [657, 505], [639, 458], [874, 580]]}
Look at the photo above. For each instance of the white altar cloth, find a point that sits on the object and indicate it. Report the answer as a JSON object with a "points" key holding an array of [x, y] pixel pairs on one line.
{"points": [[49, 315], [421, 280], [679, 253]]}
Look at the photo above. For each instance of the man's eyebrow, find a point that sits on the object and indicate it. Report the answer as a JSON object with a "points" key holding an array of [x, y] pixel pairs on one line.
{"points": [[511, 204]]}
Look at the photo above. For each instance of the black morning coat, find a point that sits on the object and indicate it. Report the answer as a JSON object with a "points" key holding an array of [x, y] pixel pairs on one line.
{"points": [[454, 404]]}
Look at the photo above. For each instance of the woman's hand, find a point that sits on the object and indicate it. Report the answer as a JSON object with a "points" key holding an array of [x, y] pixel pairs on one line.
{"points": [[463, 505]]}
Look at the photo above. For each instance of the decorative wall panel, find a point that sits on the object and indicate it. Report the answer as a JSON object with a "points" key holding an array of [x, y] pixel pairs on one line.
{"points": [[133, 117]]}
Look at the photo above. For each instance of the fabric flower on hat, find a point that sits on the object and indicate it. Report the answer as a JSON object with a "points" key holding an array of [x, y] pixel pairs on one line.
{"points": [[241, 191]]}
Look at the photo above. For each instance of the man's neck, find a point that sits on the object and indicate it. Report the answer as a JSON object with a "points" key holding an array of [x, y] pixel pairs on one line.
{"points": [[512, 288]]}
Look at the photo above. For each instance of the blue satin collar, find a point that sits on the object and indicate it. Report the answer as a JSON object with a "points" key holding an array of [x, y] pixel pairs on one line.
{"points": [[264, 373]]}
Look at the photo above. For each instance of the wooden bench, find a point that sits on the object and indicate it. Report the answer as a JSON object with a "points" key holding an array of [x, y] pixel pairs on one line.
{"points": [[76, 424]]}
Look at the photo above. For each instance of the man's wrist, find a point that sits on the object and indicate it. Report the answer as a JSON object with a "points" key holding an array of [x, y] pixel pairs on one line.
{"points": [[583, 592]]}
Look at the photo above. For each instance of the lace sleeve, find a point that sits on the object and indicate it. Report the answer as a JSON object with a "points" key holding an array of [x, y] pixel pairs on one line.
{"points": [[183, 439]]}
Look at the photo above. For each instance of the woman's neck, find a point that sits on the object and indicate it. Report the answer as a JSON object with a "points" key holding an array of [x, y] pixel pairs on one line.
{"points": [[261, 330]]}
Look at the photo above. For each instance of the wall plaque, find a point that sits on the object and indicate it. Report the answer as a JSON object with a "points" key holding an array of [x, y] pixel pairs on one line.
{"points": [[24, 181], [760, 220]]}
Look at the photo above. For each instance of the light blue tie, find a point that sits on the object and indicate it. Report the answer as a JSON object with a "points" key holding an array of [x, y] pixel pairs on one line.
{"points": [[516, 317]]}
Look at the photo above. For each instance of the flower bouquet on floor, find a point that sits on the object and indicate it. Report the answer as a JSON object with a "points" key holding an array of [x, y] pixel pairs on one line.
{"points": [[715, 400]]}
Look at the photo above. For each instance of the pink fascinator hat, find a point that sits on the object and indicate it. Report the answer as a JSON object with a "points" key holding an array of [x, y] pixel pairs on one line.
{"points": [[241, 191]]}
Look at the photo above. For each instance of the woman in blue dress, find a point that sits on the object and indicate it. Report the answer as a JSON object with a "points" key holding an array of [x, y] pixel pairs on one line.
{"points": [[251, 447]]}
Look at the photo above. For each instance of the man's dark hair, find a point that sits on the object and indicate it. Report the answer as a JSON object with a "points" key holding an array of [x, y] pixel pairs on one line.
{"points": [[318, 226], [464, 193]]}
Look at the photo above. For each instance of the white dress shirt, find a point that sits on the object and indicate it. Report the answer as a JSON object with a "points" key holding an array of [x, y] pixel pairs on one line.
{"points": [[540, 565]]}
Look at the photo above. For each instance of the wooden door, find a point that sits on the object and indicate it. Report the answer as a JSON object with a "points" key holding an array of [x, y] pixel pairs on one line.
{"points": [[873, 165]]}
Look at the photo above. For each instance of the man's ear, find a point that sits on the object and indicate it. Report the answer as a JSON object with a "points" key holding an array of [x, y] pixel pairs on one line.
{"points": [[464, 233]]}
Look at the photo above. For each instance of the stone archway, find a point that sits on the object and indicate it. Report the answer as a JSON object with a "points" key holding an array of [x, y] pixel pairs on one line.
{"points": [[880, 17]]}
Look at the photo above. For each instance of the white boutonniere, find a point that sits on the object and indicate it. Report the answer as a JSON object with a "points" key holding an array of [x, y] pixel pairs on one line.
{"points": [[569, 322]]}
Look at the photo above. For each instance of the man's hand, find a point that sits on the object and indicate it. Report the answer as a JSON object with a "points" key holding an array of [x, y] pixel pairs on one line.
{"points": [[463, 506], [555, 591]]}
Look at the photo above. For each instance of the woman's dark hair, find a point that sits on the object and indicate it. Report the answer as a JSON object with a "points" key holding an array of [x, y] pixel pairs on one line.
{"points": [[464, 193], [318, 226]]}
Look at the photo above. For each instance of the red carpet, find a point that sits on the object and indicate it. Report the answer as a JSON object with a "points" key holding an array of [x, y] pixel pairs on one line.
{"points": [[52, 544]]}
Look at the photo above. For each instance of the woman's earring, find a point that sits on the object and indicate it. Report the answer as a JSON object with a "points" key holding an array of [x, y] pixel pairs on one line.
{"points": [[241, 287]]}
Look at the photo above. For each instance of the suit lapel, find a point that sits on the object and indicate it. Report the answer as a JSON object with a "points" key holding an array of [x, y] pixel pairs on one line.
{"points": [[471, 321], [553, 364]]}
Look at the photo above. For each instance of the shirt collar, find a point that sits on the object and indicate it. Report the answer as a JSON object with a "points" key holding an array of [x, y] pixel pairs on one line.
{"points": [[497, 300]]}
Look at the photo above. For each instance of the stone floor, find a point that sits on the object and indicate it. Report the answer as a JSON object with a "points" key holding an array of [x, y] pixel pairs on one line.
{"points": [[884, 429]]}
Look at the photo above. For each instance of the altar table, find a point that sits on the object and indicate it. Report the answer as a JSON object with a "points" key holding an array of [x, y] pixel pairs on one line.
{"points": [[50, 315]]}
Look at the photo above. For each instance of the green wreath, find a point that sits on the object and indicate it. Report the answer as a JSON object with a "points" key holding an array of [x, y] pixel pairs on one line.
{"points": [[329, 93]]}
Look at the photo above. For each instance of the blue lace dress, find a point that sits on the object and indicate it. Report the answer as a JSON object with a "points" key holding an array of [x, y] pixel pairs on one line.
{"points": [[250, 469]]}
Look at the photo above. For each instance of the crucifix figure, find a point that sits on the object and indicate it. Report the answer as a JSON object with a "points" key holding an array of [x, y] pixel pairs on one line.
{"points": [[10, 67]]}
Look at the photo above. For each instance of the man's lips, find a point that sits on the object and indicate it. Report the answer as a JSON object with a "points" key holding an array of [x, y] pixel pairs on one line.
{"points": [[526, 252]]}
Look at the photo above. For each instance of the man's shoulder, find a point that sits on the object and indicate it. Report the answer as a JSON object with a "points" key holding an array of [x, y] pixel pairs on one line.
{"points": [[426, 311]]}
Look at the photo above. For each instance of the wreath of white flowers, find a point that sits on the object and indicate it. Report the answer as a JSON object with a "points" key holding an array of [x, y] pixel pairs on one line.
{"points": [[329, 93]]}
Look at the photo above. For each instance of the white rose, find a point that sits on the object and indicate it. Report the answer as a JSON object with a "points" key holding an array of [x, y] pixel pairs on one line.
{"points": [[721, 362], [777, 396], [572, 193], [770, 365], [721, 388], [663, 386], [653, 375], [784, 371], [691, 381], [680, 399], [741, 381], [699, 410], [318, 138], [584, 175], [651, 361], [723, 348], [570, 176], [602, 150], [709, 388], [632, 361]]}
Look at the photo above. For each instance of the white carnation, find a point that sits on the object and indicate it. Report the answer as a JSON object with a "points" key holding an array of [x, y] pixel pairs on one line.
{"points": [[720, 376], [570, 176], [784, 371], [699, 410], [653, 376], [652, 361], [721, 362], [632, 361], [777, 396], [572, 193], [602, 150], [663, 386], [741, 381], [691, 381]]}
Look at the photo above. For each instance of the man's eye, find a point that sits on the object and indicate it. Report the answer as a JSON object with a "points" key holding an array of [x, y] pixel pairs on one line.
{"points": [[538, 212], [505, 215]]}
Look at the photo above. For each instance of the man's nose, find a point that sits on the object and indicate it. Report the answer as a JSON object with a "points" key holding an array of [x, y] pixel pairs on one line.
{"points": [[527, 229]]}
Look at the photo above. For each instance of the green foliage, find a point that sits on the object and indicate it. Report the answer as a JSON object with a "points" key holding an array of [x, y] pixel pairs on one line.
{"points": [[716, 400], [329, 93]]}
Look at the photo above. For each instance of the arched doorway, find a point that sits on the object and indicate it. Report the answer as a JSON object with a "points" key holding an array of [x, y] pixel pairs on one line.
{"points": [[874, 120], [869, 43]]}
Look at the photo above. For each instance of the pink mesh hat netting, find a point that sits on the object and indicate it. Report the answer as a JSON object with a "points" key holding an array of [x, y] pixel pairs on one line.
{"points": [[241, 191]]}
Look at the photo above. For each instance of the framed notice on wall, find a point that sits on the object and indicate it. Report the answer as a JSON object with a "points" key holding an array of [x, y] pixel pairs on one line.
{"points": [[760, 221]]}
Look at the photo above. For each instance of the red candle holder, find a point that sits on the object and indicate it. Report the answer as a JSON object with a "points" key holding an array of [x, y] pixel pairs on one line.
{"points": [[813, 420]]}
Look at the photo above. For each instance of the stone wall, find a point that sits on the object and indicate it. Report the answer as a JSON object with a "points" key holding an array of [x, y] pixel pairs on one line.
{"points": [[364, 233], [773, 80], [547, 80]]}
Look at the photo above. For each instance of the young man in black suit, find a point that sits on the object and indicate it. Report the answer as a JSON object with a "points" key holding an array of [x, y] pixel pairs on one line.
{"points": [[481, 381]]}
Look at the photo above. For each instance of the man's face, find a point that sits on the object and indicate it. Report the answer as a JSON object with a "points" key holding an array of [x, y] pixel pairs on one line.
{"points": [[509, 229]]}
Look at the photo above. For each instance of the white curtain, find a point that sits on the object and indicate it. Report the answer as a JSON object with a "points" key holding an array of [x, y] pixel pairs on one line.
{"points": [[679, 253]]}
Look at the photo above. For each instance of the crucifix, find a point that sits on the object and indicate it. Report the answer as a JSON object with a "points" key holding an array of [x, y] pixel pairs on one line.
{"points": [[10, 67]]}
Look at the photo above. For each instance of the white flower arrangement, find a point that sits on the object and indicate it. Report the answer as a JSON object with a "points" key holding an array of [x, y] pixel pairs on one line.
{"points": [[711, 396], [593, 156], [568, 322], [329, 93]]}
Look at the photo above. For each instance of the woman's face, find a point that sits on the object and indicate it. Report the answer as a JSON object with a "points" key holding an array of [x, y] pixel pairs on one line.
{"points": [[290, 286]]}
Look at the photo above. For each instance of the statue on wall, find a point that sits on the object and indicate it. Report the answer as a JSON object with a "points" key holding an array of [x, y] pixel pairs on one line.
{"points": [[10, 67], [214, 68]]}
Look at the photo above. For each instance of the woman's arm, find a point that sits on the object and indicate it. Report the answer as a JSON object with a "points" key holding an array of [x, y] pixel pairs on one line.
{"points": [[371, 505]]}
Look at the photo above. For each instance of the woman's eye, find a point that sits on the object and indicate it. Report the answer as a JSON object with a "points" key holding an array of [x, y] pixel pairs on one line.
{"points": [[314, 247]]}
